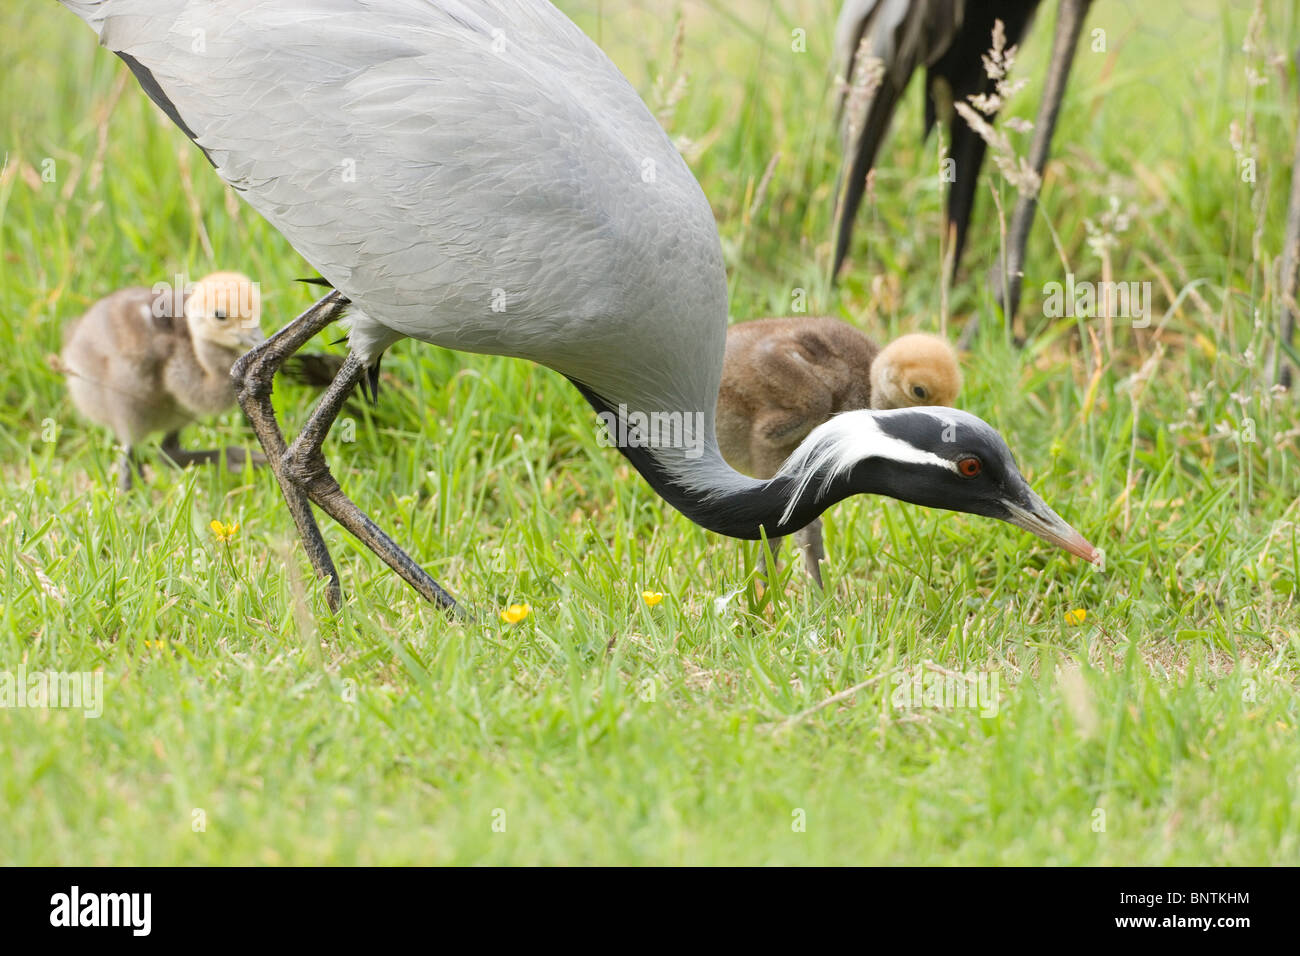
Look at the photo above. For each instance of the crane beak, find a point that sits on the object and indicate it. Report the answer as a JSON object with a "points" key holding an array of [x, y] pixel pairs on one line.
{"points": [[1036, 517]]}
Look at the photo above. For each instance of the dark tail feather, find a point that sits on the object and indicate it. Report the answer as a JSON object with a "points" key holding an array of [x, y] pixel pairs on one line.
{"points": [[370, 384], [961, 68], [317, 280], [859, 157]]}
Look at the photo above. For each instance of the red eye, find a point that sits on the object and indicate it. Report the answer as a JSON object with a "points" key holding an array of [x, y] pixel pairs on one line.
{"points": [[969, 467]]}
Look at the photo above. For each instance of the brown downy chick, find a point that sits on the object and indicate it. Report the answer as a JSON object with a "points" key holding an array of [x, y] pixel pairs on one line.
{"points": [[915, 369], [135, 365], [783, 377]]}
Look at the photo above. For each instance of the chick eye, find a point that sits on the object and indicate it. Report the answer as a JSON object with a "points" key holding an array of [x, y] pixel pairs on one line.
{"points": [[969, 467], [219, 315], [918, 391]]}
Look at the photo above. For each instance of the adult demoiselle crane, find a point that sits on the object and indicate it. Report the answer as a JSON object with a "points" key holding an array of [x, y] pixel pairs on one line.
{"points": [[478, 175], [950, 39]]}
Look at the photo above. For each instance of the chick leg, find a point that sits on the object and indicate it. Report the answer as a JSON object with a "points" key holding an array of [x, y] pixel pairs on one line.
{"points": [[236, 459], [126, 468], [304, 464], [1069, 25], [809, 541], [252, 375], [775, 437], [767, 454], [774, 546]]}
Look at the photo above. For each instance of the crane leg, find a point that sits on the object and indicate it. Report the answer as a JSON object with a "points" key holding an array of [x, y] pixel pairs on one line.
{"points": [[252, 375], [304, 464], [1290, 268], [1069, 25]]}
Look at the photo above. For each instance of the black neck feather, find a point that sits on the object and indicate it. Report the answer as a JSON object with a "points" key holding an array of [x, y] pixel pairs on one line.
{"points": [[743, 507]]}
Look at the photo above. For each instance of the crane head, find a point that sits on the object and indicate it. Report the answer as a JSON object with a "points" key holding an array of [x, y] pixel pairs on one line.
{"points": [[934, 457]]}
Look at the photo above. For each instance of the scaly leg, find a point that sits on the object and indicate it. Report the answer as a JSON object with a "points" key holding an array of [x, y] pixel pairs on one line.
{"points": [[304, 464], [252, 375], [1290, 268], [1069, 25]]}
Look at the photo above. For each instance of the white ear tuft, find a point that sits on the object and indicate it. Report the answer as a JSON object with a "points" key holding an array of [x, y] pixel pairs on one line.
{"points": [[837, 445]]}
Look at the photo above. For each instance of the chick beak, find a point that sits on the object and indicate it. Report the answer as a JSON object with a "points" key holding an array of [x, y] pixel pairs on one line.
{"points": [[250, 335], [1033, 514]]}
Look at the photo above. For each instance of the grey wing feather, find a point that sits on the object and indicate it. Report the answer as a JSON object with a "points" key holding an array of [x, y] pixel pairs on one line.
{"points": [[473, 174]]}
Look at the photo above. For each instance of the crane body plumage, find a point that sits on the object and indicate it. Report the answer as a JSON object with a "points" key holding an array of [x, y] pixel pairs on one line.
{"points": [[481, 177], [517, 201]]}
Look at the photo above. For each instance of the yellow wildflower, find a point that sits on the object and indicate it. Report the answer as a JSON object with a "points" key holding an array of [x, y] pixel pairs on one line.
{"points": [[516, 613], [651, 598], [1077, 616], [223, 532]]}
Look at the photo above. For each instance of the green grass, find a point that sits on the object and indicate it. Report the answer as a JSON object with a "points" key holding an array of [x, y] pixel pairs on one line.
{"points": [[602, 730]]}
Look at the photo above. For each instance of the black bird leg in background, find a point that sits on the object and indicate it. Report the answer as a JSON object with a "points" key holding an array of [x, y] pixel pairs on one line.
{"points": [[252, 375], [127, 466], [1069, 25], [1290, 278], [304, 464]]}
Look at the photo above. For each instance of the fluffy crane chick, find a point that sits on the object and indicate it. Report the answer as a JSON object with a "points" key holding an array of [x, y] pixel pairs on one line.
{"points": [[783, 377], [140, 366]]}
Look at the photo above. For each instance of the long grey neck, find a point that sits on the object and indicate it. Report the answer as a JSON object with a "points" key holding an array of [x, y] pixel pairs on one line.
{"points": [[717, 497]]}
